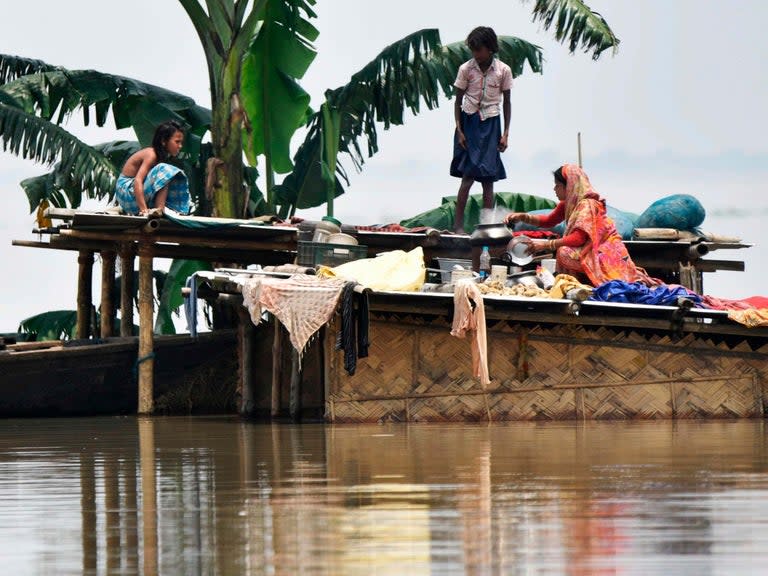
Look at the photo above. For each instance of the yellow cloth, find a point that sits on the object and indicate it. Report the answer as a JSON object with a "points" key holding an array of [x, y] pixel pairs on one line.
{"points": [[396, 271], [565, 283], [751, 318]]}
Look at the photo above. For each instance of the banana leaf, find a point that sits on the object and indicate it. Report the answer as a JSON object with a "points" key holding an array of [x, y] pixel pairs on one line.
{"points": [[576, 24], [52, 325], [170, 296], [442, 217], [273, 100]]}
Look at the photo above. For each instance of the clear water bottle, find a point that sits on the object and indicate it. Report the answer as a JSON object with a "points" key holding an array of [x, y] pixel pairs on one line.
{"points": [[485, 263]]}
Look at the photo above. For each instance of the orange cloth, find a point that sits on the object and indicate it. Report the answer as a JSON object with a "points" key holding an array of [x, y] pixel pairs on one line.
{"points": [[603, 257], [466, 319]]}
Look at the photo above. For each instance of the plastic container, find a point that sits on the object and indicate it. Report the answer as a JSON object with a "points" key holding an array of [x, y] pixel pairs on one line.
{"points": [[485, 263], [499, 273], [323, 231], [448, 264]]}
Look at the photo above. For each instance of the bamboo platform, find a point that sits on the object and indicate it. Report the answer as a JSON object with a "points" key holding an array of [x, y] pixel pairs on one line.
{"points": [[413, 326], [417, 372]]}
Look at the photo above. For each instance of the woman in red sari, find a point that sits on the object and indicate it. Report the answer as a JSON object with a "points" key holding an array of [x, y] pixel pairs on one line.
{"points": [[591, 248]]}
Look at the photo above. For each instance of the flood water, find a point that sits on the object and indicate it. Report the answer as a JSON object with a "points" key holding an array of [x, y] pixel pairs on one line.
{"points": [[219, 496]]}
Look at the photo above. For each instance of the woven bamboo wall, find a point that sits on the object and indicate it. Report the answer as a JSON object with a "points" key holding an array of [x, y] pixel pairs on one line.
{"points": [[417, 371]]}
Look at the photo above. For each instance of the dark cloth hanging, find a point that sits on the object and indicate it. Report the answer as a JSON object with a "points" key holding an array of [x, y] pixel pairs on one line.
{"points": [[346, 337], [353, 336]]}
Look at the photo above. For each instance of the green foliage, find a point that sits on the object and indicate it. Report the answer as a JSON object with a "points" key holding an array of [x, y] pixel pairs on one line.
{"points": [[442, 217], [577, 24], [12, 67], [274, 101], [61, 186], [29, 136], [256, 52], [170, 294], [52, 325]]}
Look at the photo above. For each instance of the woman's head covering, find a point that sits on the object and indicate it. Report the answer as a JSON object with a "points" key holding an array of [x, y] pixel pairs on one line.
{"points": [[577, 188]]}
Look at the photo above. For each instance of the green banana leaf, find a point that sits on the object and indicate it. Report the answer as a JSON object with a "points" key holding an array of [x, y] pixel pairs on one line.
{"points": [[305, 186], [12, 67], [442, 217], [170, 296], [62, 189], [55, 94], [52, 325], [273, 100], [577, 24]]}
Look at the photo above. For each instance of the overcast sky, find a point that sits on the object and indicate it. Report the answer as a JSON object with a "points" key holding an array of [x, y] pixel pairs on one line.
{"points": [[679, 109]]}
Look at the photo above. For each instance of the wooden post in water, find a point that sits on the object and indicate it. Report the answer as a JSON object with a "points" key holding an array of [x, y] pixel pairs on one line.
{"points": [[277, 360], [127, 257], [146, 335], [295, 394], [148, 494], [84, 293], [107, 294], [245, 359]]}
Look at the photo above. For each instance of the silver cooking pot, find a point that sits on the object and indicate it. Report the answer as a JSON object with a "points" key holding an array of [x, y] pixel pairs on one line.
{"points": [[490, 233]]}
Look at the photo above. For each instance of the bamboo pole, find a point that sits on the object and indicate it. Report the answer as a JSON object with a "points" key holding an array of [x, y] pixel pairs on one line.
{"points": [[578, 140], [146, 335], [277, 357], [84, 293], [127, 257], [107, 294]]}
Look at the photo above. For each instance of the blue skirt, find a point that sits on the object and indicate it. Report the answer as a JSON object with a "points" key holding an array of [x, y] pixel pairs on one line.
{"points": [[481, 160]]}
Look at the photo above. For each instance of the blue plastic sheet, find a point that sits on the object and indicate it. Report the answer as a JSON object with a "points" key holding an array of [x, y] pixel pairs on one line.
{"points": [[637, 293]]}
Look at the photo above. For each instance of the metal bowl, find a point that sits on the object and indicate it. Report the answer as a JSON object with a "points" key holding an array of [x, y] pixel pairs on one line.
{"points": [[519, 250]]}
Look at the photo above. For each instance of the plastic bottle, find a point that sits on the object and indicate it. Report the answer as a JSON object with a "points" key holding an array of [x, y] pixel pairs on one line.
{"points": [[485, 263]]}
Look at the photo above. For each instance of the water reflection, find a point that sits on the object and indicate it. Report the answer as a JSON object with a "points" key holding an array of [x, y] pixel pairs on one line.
{"points": [[219, 496]]}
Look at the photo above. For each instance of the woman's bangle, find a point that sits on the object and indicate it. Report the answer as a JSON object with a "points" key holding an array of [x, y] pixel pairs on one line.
{"points": [[552, 246]]}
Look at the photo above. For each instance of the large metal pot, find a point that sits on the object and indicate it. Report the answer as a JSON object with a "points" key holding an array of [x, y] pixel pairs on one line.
{"points": [[497, 233]]}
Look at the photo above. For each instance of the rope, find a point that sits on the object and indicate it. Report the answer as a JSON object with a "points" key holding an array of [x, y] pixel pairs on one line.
{"points": [[138, 362]]}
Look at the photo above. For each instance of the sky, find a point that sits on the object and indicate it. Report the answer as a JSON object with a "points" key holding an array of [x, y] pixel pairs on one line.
{"points": [[680, 108]]}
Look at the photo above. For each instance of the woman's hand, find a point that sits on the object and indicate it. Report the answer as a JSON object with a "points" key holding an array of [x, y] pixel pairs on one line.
{"points": [[541, 246], [513, 217]]}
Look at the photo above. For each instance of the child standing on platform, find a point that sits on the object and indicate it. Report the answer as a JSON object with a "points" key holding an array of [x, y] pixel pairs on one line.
{"points": [[481, 85], [147, 181]]}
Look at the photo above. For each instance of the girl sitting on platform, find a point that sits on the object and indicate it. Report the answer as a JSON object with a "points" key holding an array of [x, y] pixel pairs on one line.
{"points": [[591, 248], [147, 181]]}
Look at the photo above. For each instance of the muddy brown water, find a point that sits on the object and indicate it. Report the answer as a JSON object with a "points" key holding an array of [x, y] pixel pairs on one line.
{"points": [[220, 496]]}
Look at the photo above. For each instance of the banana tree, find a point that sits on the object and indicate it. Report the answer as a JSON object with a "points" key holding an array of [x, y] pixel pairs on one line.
{"points": [[254, 57]]}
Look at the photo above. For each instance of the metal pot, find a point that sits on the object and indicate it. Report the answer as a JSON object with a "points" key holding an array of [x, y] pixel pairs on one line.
{"points": [[495, 233]]}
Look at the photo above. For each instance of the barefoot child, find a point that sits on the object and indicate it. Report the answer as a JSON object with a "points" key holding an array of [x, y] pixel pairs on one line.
{"points": [[480, 85], [147, 181]]}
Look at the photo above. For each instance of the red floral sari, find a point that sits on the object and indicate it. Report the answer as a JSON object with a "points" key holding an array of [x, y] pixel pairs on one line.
{"points": [[603, 257]]}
